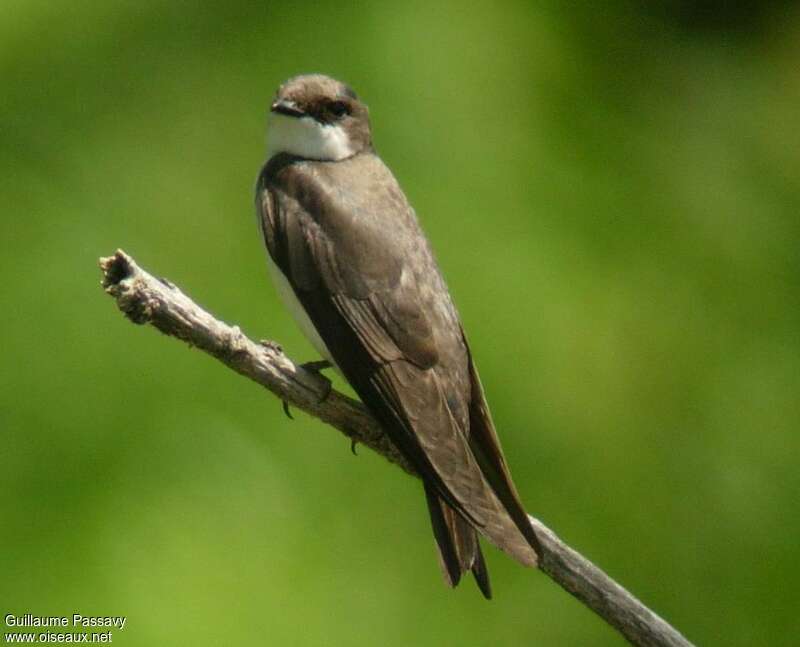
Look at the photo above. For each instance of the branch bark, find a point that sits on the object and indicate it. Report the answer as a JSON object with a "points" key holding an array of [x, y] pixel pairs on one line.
{"points": [[145, 299]]}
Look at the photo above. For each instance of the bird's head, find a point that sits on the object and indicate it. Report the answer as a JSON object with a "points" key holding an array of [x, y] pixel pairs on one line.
{"points": [[316, 117]]}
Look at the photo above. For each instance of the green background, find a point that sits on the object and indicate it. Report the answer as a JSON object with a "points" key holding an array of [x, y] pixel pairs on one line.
{"points": [[614, 197]]}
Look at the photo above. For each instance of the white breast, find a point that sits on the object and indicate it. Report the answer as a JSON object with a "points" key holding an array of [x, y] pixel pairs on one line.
{"points": [[293, 305], [307, 138]]}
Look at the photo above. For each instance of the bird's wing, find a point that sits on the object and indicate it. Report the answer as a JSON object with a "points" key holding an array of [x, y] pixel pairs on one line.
{"points": [[485, 446], [355, 270]]}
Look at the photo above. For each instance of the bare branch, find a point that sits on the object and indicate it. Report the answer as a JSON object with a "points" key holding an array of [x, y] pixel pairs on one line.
{"points": [[146, 299]]}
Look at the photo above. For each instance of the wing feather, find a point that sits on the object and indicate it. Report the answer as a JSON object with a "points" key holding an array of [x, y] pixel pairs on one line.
{"points": [[372, 289]]}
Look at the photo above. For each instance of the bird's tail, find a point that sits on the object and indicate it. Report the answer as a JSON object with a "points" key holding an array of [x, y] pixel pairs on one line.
{"points": [[457, 541]]}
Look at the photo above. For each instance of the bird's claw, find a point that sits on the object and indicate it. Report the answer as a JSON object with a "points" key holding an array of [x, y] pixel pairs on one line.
{"points": [[312, 367]]}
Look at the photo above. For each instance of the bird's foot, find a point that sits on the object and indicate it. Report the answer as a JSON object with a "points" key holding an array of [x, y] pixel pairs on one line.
{"points": [[316, 368]]}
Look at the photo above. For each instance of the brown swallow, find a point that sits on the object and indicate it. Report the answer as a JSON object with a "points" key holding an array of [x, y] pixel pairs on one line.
{"points": [[351, 263]]}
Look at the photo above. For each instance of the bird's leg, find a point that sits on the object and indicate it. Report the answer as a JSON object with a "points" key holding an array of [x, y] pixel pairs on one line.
{"points": [[316, 367], [313, 367]]}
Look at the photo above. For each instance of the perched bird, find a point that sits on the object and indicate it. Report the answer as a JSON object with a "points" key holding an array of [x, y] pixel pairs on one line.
{"points": [[351, 263]]}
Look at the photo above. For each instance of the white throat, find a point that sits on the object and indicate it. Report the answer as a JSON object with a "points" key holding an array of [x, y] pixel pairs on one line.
{"points": [[307, 138]]}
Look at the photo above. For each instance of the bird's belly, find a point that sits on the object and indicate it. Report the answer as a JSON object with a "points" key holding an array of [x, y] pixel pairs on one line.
{"points": [[293, 305]]}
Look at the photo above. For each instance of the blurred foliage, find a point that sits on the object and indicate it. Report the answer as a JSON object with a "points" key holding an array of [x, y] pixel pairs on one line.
{"points": [[613, 192]]}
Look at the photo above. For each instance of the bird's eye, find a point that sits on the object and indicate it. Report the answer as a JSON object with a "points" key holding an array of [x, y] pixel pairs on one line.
{"points": [[338, 108]]}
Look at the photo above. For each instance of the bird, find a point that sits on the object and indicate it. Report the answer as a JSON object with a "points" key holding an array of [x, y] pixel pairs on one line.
{"points": [[351, 263]]}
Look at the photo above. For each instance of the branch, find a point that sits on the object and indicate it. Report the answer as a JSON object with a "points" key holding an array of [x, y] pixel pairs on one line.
{"points": [[146, 299]]}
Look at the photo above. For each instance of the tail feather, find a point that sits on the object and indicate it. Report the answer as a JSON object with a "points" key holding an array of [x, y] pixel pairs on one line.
{"points": [[480, 572], [457, 541]]}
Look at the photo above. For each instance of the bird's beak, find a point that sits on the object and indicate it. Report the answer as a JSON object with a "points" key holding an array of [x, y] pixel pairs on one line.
{"points": [[286, 107]]}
